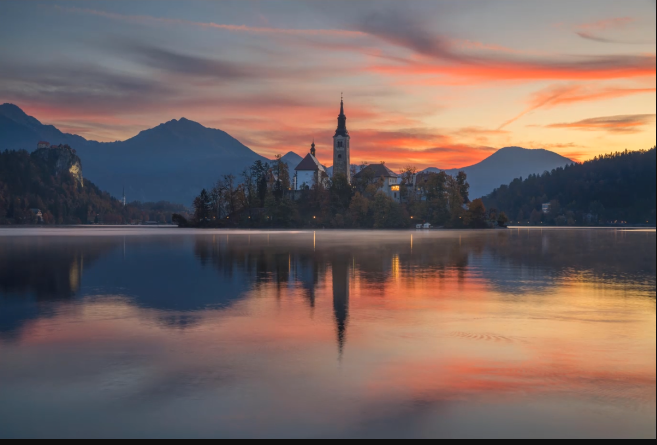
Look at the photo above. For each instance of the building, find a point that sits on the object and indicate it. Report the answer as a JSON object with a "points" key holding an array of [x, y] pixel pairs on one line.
{"points": [[37, 215], [309, 172], [379, 172], [546, 207], [341, 147], [43, 144]]}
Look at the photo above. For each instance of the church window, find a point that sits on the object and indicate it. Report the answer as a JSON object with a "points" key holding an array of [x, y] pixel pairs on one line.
{"points": [[340, 144], [339, 156]]}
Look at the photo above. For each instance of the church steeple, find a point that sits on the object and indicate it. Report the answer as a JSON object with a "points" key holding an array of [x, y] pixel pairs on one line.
{"points": [[342, 121], [312, 148]]}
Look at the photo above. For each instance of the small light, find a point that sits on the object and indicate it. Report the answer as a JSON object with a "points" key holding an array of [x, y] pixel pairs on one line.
{"points": [[314, 217]]}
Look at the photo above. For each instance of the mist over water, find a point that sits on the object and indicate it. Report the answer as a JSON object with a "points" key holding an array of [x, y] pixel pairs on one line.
{"points": [[151, 332]]}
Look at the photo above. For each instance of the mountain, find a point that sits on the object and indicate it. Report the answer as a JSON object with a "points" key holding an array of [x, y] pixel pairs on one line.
{"points": [[21, 132], [292, 160], [170, 162], [505, 165]]}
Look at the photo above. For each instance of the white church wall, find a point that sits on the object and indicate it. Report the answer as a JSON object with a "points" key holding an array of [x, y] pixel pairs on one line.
{"points": [[305, 178]]}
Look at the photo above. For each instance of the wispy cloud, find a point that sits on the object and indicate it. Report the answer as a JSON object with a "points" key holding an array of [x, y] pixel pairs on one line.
{"points": [[592, 31], [568, 94], [211, 25], [630, 123]]}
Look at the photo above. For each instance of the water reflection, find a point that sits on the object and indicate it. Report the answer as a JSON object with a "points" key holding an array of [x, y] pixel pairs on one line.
{"points": [[328, 334]]}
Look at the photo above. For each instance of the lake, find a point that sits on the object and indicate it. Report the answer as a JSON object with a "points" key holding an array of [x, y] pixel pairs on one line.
{"points": [[162, 332]]}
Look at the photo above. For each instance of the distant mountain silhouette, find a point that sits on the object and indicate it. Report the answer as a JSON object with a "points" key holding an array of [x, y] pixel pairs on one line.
{"points": [[505, 165], [176, 159], [171, 162], [292, 160]]}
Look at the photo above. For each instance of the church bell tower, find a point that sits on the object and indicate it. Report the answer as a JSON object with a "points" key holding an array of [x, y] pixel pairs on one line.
{"points": [[341, 153]]}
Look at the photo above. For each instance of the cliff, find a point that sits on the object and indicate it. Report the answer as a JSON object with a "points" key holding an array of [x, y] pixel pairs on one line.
{"points": [[60, 159]]}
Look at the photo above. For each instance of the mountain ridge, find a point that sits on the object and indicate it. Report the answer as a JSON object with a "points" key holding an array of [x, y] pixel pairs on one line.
{"points": [[505, 165], [191, 156]]}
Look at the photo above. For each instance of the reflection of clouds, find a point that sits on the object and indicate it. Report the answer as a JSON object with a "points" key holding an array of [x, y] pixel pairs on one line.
{"points": [[224, 338]]}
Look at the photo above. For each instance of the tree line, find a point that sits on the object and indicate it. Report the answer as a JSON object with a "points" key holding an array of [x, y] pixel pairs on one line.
{"points": [[262, 196], [608, 189], [28, 183]]}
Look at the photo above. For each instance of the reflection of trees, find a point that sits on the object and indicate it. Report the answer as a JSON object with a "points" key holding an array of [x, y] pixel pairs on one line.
{"points": [[46, 269], [617, 256], [49, 269]]}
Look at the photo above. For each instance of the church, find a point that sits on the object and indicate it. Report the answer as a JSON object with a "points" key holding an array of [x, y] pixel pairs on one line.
{"points": [[310, 171]]}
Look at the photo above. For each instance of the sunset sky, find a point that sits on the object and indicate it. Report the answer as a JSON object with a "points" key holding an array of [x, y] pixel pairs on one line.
{"points": [[426, 83]]}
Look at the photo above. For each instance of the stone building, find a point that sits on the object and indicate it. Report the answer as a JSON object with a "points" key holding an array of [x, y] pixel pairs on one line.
{"points": [[374, 173]]}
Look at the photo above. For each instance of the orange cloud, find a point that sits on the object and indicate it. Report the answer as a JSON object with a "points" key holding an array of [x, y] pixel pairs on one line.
{"points": [[567, 94], [612, 124], [588, 68]]}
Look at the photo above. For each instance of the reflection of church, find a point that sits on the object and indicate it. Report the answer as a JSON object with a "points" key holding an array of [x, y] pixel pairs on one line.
{"points": [[340, 267]]}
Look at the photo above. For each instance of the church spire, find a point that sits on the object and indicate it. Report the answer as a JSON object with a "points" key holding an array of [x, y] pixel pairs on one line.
{"points": [[342, 121], [312, 148]]}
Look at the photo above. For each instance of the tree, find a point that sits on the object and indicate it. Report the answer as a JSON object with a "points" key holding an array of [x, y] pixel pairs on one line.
{"points": [[502, 219], [359, 211], [476, 215], [180, 220], [340, 193], [202, 207], [282, 183], [464, 187]]}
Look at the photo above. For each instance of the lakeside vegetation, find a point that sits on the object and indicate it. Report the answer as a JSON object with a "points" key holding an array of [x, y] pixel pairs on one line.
{"points": [[610, 189], [262, 197], [28, 182]]}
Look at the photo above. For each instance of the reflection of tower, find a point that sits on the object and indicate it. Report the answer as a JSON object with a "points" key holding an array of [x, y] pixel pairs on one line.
{"points": [[341, 298]]}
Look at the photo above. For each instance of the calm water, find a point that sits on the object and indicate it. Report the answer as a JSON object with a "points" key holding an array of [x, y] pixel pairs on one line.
{"points": [[169, 333]]}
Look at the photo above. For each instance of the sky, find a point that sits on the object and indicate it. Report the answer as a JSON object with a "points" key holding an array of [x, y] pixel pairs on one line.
{"points": [[425, 83]]}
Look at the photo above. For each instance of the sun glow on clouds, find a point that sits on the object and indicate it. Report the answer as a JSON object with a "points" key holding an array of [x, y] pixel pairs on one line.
{"points": [[417, 91]]}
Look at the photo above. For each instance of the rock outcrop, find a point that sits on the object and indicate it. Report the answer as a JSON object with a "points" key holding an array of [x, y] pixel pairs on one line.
{"points": [[61, 158]]}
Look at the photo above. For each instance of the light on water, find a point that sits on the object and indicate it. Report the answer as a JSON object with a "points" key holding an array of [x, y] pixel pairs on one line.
{"points": [[115, 332]]}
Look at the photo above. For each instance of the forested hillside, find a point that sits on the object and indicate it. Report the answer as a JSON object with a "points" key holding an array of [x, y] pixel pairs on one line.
{"points": [[29, 183], [610, 188]]}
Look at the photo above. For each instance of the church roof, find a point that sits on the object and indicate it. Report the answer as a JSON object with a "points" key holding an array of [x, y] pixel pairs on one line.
{"points": [[342, 122], [309, 163], [378, 170]]}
